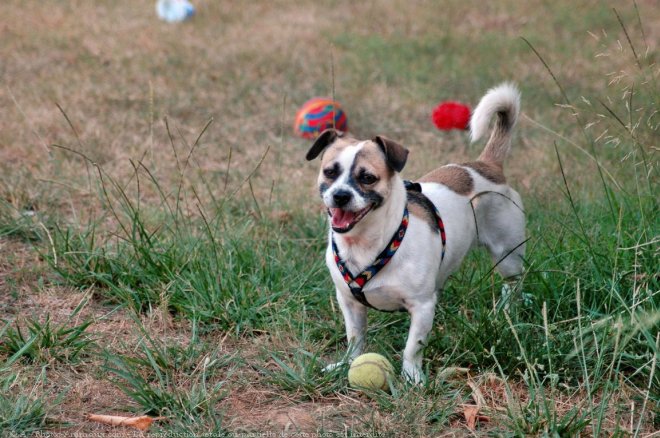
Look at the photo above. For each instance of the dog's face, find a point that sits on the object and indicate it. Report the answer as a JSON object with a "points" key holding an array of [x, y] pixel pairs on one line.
{"points": [[356, 176]]}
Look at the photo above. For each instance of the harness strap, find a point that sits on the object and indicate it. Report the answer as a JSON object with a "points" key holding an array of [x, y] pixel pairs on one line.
{"points": [[417, 187], [356, 283]]}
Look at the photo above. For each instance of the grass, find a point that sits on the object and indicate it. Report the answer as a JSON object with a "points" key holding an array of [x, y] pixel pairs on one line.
{"points": [[20, 225], [172, 381], [21, 413], [189, 266], [42, 342], [161, 245]]}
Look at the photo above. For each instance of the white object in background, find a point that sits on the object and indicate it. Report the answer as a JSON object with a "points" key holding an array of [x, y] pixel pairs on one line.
{"points": [[173, 11]]}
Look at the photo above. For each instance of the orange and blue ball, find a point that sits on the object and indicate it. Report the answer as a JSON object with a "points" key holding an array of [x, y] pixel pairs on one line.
{"points": [[317, 115]]}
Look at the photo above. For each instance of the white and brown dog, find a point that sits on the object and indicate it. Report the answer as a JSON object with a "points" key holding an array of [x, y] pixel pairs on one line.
{"points": [[392, 244]]}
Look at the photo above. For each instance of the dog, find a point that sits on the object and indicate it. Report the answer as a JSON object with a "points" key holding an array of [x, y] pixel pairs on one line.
{"points": [[392, 244]]}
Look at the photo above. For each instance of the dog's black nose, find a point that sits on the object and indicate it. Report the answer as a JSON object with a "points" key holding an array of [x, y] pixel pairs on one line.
{"points": [[341, 198]]}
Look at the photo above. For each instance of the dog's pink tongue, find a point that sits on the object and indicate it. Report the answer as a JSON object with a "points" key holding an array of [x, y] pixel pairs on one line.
{"points": [[341, 218]]}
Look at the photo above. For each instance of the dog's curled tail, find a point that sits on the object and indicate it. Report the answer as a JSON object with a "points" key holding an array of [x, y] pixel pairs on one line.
{"points": [[503, 100]]}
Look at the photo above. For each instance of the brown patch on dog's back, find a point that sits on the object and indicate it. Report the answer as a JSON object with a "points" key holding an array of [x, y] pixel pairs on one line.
{"points": [[454, 177], [491, 171]]}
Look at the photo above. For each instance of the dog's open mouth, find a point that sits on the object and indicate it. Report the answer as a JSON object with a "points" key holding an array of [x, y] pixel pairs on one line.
{"points": [[343, 221]]}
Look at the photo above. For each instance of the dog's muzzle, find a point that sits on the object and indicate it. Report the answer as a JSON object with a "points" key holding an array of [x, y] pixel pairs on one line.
{"points": [[341, 197]]}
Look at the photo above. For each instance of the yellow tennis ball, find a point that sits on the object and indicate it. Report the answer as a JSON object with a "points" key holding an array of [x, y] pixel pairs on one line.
{"points": [[370, 370]]}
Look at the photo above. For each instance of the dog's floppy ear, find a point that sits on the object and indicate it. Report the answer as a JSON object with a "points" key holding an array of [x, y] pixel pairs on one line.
{"points": [[323, 141], [395, 153]]}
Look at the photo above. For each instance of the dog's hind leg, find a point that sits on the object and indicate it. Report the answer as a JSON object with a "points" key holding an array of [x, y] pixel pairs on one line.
{"points": [[501, 228]]}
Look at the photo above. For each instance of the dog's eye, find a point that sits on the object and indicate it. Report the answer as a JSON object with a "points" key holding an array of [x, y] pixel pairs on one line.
{"points": [[367, 178], [330, 172]]}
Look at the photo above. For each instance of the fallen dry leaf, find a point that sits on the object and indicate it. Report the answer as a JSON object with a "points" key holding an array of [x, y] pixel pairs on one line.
{"points": [[471, 414], [141, 423]]}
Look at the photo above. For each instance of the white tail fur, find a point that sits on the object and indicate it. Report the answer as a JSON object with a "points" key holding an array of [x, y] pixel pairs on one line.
{"points": [[503, 100]]}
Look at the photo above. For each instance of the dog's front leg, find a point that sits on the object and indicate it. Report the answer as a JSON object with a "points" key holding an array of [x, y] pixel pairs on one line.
{"points": [[355, 319], [421, 322]]}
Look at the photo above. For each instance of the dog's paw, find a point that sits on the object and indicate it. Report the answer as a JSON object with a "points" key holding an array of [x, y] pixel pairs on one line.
{"points": [[413, 374], [505, 297], [512, 293], [334, 366]]}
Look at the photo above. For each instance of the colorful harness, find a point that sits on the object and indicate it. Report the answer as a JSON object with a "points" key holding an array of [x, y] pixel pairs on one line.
{"points": [[356, 283]]}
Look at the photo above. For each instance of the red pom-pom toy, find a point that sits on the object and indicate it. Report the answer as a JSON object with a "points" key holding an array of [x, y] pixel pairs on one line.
{"points": [[451, 115]]}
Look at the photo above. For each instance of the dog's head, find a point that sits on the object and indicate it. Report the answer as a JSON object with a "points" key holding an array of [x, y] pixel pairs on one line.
{"points": [[356, 176]]}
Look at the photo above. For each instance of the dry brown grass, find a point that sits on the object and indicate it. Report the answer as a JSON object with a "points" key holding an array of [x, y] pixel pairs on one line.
{"points": [[117, 72]]}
